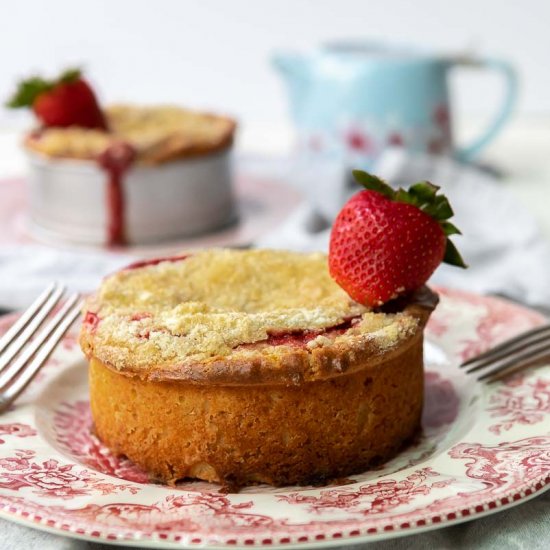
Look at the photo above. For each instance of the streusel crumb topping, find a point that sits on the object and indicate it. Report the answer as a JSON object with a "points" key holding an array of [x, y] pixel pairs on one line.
{"points": [[157, 133], [217, 303]]}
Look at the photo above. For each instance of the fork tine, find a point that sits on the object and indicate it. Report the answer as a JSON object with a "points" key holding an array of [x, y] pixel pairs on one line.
{"points": [[499, 374], [63, 324], [528, 341], [32, 348], [529, 355], [25, 317], [524, 339], [32, 326]]}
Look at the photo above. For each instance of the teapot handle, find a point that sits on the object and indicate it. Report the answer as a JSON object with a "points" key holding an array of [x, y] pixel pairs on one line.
{"points": [[511, 83]]}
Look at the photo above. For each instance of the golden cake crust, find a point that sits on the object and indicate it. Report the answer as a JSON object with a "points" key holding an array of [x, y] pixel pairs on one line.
{"points": [[158, 134], [232, 336]]}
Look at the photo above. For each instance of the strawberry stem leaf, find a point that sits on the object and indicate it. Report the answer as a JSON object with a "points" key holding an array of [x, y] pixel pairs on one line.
{"points": [[28, 90], [440, 209], [450, 229], [373, 183], [424, 191], [452, 255], [404, 196], [70, 75]]}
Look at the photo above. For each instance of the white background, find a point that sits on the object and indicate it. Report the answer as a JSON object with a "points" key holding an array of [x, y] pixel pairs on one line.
{"points": [[215, 53]]}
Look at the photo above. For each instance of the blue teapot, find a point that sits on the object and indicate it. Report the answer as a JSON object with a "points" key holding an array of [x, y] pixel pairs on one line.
{"points": [[353, 100]]}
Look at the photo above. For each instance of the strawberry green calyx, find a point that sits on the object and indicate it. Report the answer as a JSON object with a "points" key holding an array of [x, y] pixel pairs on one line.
{"points": [[69, 75], [424, 196], [28, 90]]}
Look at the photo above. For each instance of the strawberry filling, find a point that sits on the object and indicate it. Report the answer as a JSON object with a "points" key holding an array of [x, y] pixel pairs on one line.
{"points": [[155, 261], [91, 320], [296, 338], [300, 338], [141, 315], [116, 160]]}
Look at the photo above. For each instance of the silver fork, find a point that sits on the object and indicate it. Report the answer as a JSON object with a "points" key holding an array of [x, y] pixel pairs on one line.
{"points": [[528, 349], [21, 355]]}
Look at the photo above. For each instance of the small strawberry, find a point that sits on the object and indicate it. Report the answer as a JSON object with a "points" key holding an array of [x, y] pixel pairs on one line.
{"points": [[385, 243], [66, 101]]}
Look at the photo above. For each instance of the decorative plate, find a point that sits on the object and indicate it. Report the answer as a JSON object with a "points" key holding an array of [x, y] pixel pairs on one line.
{"points": [[482, 449]]}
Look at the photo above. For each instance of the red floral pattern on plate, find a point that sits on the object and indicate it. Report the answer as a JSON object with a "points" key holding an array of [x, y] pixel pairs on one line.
{"points": [[372, 508], [374, 498], [498, 321], [507, 463], [520, 400], [482, 450], [52, 479], [16, 429]]}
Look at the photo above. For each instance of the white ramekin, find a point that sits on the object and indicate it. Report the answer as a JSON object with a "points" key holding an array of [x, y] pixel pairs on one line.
{"points": [[68, 199]]}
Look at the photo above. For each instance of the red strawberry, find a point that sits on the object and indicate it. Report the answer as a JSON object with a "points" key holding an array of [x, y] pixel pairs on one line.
{"points": [[67, 101], [385, 243]]}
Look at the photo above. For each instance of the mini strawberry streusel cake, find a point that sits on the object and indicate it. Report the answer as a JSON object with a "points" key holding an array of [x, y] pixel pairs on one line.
{"points": [[123, 174], [243, 367]]}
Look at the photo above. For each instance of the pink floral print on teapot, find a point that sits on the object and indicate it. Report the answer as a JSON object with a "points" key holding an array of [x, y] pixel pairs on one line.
{"points": [[354, 100]]}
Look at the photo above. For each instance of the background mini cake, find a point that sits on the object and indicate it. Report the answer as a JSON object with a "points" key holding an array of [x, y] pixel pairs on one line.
{"points": [[179, 183], [125, 174]]}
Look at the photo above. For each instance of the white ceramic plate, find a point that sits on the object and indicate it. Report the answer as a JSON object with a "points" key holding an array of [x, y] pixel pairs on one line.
{"points": [[483, 449]]}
